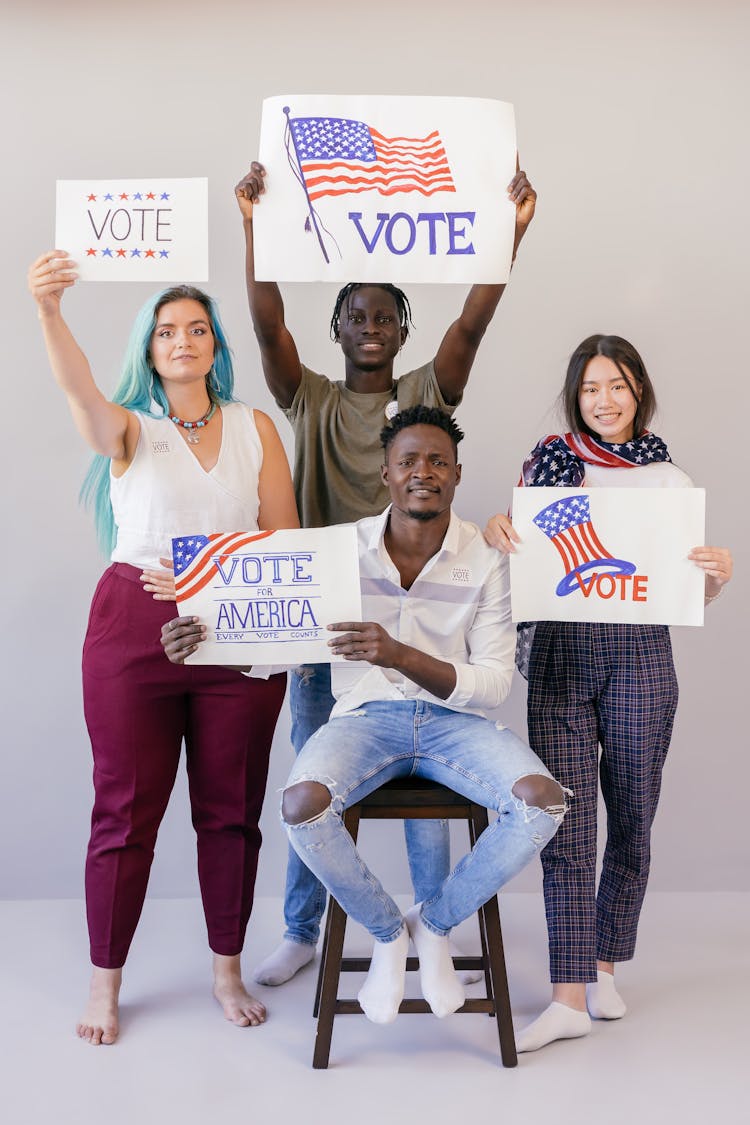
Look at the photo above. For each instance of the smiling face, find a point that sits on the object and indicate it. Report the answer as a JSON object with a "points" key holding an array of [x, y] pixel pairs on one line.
{"points": [[370, 333], [182, 343], [607, 400], [421, 472]]}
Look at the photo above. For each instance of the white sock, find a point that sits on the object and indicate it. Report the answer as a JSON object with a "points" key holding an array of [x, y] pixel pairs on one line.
{"points": [[383, 990], [603, 1000], [441, 987], [466, 976], [284, 962], [556, 1022]]}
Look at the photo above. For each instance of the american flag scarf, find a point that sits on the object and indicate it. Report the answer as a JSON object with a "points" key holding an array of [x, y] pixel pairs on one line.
{"points": [[560, 460]]}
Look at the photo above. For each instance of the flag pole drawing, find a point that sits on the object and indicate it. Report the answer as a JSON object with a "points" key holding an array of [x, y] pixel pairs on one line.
{"points": [[342, 156], [567, 524], [313, 219]]}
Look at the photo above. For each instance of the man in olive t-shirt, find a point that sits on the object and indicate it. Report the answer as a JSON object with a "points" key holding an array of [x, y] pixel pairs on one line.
{"points": [[337, 452], [337, 480]]}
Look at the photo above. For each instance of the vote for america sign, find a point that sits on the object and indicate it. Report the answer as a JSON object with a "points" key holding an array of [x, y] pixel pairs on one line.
{"points": [[608, 554], [268, 596], [385, 188]]}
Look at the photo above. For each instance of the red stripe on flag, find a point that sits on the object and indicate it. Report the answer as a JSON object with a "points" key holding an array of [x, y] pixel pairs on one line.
{"points": [[212, 551], [604, 553], [569, 557]]}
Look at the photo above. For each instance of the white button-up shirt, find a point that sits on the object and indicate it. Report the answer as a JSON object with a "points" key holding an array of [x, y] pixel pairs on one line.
{"points": [[457, 610]]}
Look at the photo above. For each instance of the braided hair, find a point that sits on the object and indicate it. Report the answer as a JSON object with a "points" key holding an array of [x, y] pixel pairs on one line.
{"points": [[402, 305]]}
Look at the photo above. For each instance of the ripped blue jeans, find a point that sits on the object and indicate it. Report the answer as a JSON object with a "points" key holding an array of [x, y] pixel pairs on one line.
{"points": [[356, 753], [427, 841]]}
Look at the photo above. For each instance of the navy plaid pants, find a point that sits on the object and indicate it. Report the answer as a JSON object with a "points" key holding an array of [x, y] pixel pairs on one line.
{"points": [[613, 686]]}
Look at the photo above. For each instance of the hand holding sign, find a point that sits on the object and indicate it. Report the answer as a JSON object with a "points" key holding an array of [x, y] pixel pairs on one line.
{"points": [[717, 565], [50, 275], [250, 188], [364, 640], [501, 534], [522, 194], [181, 637]]}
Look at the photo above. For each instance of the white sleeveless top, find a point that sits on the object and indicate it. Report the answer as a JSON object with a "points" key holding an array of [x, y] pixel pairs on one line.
{"points": [[165, 492]]}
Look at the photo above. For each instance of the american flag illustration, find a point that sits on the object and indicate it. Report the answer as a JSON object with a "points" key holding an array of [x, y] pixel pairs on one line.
{"points": [[194, 557], [337, 155], [567, 524]]}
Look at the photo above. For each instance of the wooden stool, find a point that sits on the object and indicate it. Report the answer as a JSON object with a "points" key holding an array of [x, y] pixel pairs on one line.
{"points": [[412, 799]]}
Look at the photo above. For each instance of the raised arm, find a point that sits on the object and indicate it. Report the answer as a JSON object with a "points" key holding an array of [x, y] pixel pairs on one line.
{"points": [[456, 354], [278, 351], [278, 508], [108, 428]]}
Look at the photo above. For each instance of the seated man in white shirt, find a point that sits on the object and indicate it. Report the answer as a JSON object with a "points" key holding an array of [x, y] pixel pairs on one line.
{"points": [[414, 706]]}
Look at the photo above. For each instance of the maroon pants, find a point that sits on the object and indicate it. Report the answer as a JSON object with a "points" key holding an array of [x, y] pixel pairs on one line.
{"points": [[139, 708]]}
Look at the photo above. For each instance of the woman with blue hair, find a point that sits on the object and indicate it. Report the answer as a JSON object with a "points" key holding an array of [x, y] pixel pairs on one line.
{"points": [[175, 453]]}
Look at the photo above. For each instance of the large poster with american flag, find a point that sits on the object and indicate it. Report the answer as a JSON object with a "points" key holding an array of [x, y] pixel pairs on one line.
{"points": [[268, 596], [385, 188], [608, 554]]}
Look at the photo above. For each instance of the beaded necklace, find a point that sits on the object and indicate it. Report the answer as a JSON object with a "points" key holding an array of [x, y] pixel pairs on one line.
{"points": [[193, 427]]}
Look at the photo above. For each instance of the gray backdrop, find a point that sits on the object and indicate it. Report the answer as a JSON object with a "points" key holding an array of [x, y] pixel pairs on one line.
{"points": [[631, 124]]}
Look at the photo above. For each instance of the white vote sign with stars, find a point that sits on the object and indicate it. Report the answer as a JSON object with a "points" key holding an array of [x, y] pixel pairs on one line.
{"points": [[149, 229]]}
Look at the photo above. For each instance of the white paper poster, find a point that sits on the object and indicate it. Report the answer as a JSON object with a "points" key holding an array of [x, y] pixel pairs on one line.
{"points": [[149, 229], [383, 188], [268, 596], [608, 554]]}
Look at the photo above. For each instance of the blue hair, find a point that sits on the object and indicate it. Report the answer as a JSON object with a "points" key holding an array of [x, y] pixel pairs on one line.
{"points": [[140, 388]]}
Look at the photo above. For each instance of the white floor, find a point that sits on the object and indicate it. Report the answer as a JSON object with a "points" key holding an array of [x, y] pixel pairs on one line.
{"points": [[680, 1054]]}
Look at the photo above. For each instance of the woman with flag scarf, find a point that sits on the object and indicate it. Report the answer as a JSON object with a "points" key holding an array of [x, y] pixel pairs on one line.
{"points": [[175, 454], [612, 685]]}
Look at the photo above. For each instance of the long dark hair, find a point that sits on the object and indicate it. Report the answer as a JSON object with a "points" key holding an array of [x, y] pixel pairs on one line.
{"points": [[630, 365]]}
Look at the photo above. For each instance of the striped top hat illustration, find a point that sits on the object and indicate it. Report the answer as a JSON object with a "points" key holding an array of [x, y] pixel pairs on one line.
{"points": [[567, 524]]}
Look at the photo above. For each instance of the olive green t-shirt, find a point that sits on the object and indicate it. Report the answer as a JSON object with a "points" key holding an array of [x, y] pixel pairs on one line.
{"points": [[337, 450]]}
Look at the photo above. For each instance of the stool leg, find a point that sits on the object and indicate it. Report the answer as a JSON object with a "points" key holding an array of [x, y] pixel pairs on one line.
{"points": [[477, 822], [323, 955], [501, 996], [329, 985], [493, 953]]}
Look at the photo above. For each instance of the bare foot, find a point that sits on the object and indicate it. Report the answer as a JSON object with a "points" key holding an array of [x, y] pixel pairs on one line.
{"points": [[99, 1023], [240, 1007]]}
